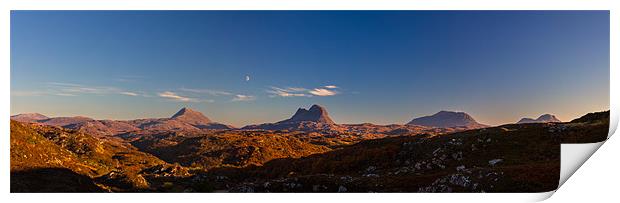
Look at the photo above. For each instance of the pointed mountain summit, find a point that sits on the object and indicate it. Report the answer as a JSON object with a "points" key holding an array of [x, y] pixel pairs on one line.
{"points": [[316, 113], [447, 119], [184, 119], [545, 118], [190, 116], [194, 118]]}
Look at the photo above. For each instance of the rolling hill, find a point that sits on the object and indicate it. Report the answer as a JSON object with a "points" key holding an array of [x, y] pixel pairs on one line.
{"points": [[448, 119]]}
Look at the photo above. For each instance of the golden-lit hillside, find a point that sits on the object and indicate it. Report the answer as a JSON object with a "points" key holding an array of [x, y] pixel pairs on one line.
{"points": [[508, 158], [53, 159]]}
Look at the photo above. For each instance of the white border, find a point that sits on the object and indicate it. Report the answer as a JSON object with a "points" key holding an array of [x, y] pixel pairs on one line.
{"points": [[309, 5], [7, 5], [573, 156]]}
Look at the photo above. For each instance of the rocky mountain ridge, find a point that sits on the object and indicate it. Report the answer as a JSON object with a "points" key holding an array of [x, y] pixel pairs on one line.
{"points": [[314, 119]]}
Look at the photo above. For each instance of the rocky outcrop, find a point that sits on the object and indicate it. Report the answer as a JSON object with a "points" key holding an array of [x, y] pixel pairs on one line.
{"points": [[314, 119], [316, 113]]}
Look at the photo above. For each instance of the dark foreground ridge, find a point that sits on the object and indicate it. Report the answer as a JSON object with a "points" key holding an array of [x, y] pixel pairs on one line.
{"points": [[52, 180]]}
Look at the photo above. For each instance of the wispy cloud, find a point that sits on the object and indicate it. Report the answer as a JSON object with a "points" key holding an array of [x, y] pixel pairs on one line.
{"points": [[63, 84], [241, 97], [74, 89], [322, 92], [175, 96], [64, 94], [27, 93], [62, 89], [206, 91], [133, 94], [296, 89], [302, 92], [287, 92]]}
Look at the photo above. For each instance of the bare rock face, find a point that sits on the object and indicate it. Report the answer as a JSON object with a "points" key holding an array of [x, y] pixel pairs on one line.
{"points": [[545, 118], [447, 119], [316, 113], [314, 119]]}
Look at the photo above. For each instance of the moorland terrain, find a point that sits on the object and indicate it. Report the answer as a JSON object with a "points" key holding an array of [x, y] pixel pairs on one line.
{"points": [[309, 152]]}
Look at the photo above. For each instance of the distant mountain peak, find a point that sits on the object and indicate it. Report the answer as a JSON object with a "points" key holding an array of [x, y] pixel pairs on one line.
{"points": [[315, 118], [545, 118], [447, 119], [548, 117], [32, 115], [453, 113], [191, 116], [526, 120], [29, 117], [316, 113], [184, 111]]}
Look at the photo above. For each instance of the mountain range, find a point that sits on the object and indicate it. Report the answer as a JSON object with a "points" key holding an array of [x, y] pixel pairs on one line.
{"points": [[184, 119], [314, 119]]}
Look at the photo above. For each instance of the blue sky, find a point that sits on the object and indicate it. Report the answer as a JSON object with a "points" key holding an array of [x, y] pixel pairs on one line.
{"points": [[364, 66]]}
